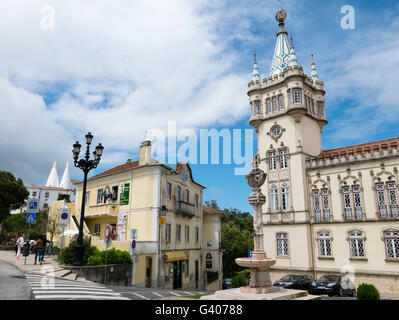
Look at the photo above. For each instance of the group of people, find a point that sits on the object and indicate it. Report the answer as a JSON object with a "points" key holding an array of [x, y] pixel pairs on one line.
{"points": [[40, 247]]}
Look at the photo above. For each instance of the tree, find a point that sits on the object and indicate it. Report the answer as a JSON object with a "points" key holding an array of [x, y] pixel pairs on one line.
{"points": [[12, 194], [53, 227], [65, 197], [237, 237], [15, 224]]}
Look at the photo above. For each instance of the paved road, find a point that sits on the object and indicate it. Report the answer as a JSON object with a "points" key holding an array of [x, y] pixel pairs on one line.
{"points": [[50, 288], [13, 285]]}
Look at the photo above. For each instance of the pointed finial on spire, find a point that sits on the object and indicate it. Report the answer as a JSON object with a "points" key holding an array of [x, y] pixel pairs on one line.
{"points": [[313, 72], [255, 73]]}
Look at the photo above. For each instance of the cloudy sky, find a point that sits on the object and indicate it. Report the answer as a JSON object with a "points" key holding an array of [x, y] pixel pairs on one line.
{"points": [[118, 68]]}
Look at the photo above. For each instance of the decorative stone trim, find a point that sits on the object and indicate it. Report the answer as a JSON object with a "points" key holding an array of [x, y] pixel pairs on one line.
{"points": [[325, 258]]}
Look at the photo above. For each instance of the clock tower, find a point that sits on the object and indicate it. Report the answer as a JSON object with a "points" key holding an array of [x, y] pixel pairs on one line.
{"points": [[288, 114]]}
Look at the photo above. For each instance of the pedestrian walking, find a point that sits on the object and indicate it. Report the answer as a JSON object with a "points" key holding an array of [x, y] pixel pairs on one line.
{"points": [[44, 246], [20, 244], [39, 249]]}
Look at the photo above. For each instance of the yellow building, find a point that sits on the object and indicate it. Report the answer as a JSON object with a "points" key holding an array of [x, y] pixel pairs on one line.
{"points": [[130, 197]]}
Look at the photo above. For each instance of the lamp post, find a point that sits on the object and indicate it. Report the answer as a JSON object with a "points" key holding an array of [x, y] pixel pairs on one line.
{"points": [[162, 211], [86, 165]]}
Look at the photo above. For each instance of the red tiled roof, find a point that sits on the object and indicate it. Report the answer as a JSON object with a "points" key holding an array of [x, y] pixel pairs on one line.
{"points": [[123, 167], [387, 144], [209, 210]]}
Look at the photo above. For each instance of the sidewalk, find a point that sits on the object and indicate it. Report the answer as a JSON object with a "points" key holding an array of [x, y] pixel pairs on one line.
{"points": [[49, 265]]}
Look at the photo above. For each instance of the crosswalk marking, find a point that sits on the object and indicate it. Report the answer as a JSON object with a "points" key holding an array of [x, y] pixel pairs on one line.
{"points": [[156, 293], [77, 296], [139, 295], [175, 293], [56, 288], [189, 293]]}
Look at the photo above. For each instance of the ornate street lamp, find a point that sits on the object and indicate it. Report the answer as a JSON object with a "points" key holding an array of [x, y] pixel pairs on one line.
{"points": [[86, 165]]}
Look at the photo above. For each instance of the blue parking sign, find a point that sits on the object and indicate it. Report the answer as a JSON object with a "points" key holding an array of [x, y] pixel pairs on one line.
{"points": [[250, 252], [30, 217]]}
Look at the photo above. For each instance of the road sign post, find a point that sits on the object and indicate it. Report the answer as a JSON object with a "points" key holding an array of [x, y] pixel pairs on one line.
{"points": [[65, 216], [30, 218]]}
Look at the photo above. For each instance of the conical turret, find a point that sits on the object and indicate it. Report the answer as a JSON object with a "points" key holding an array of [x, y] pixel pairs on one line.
{"points": [[313, 72], [66, 178], [255, 73], [281, 58], [52, 180]]}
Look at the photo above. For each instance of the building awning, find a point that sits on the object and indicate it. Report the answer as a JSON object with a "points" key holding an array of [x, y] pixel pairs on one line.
{"points": [[174, 256]]}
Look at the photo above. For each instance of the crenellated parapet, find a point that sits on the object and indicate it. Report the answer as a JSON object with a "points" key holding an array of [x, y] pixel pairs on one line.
{"points": [[348, 155], [292, 71]]}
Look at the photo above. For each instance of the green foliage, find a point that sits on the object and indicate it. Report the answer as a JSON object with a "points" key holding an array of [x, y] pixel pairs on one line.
{"points": [[237, 230], [245, 273], [12, 194], [113, 257], [15, 224], [367, 292], [66, 197], [239, 281], [67, 255]]}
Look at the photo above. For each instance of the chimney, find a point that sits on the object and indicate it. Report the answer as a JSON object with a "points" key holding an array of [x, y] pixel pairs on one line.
{"points": [[145, 153]]}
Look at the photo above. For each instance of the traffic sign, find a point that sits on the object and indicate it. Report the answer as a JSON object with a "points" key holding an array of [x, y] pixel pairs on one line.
{"points": [[30, 217], [107, 232], [33, 205], [65, 214], [107, 242], [250, 252]]}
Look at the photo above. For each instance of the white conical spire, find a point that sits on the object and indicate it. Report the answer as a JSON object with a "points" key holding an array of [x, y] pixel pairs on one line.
{"points": [[293, 61], [281, 58], [52, 180], [313, 72], [255, 73], [66, 178]]}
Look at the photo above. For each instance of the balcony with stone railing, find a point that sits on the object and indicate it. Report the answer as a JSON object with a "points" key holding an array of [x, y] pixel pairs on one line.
{"points": [[185, 208], [102, 210]]}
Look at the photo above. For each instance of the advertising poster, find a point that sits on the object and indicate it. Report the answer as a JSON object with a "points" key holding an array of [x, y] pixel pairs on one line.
{"points": [[121, 226]]}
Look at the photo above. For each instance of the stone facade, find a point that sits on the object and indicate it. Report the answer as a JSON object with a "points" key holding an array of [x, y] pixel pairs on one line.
{"points": [[331, 211]]}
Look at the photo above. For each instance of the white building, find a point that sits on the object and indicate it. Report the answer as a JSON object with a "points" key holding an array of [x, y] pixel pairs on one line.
{"points": [[50, 192], [326, 210]]}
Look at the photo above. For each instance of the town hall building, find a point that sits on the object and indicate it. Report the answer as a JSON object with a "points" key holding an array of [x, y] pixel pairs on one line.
{"points": [[327, 211]]}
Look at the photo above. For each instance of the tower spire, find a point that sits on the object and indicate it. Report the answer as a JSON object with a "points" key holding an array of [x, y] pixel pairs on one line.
{"points": [[255, 73], [52, 180], [66, 178], [313, 72], [293, 60], [281, 57]]}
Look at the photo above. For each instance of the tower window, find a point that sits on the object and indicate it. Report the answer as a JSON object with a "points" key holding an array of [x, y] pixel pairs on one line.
{"points": [[272, 161], [283, 159], [268, 105], [320, 111], [285, 197], [274, 104], [297, 95], [312, 105], [280, 102], [273, 197], [257, 107], [307, 103]]}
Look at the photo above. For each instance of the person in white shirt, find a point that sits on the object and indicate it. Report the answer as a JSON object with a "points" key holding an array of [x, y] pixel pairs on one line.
{"points": [[20, 244]]}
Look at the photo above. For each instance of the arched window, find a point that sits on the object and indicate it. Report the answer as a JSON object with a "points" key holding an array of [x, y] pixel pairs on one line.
{"points": [[387, 199], [275, 104], [256, 107], [273, 197], [272, 161], [324, 240], [268, 105], [285, 197], [282, 244], [283, 159], [321, 204], [356, 242], [352, 202], [297, 95], [391, 239], [280, 102]]}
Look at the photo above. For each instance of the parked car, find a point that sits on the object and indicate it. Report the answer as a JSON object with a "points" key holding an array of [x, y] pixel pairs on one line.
{"points": [[333, 286], [295, 281], [226, 284]]}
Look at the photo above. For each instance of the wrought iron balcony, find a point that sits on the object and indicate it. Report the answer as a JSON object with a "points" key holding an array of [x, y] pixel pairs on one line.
{"points": [[185, 208]]}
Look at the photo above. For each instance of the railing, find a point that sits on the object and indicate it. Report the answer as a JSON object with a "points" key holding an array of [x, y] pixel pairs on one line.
{"points": [[185, 208], [110, 209]]}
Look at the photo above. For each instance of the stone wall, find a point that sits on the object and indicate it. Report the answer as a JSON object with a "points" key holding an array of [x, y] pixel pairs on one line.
{"points": [[117, 274]]}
